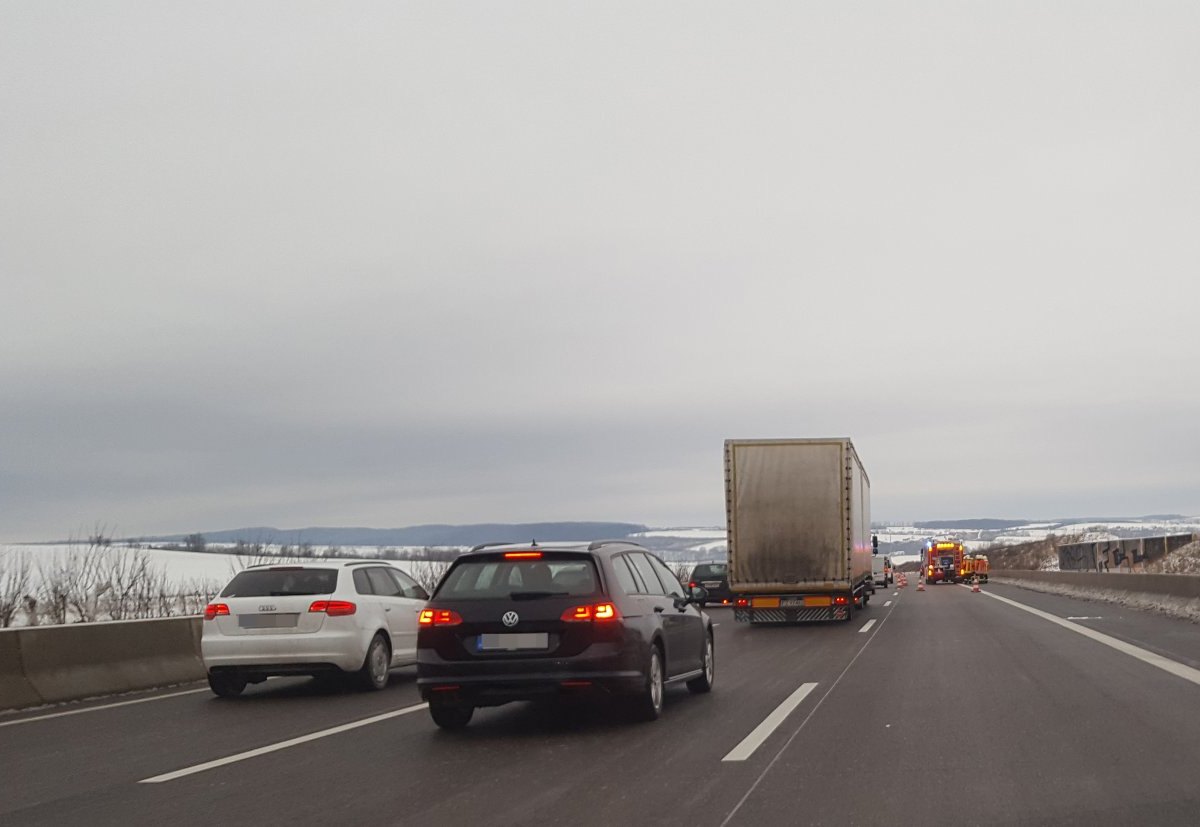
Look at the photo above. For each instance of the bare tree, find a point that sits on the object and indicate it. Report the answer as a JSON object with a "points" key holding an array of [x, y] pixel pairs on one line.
{"points": [[428, 573], [14, 582]]}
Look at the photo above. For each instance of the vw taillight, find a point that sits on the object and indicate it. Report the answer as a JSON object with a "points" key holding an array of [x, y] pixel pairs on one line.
{"points": [[333, 608], [214, 609], [591, 611], [438, 617]]}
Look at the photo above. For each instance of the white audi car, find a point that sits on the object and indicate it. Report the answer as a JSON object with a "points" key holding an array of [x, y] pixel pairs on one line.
{"points": [[317, 618]]}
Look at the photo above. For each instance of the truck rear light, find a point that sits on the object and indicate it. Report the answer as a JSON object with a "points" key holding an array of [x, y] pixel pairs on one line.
{"points": [[589, 612], [214, 609], [522, 555], [840, 600], [742, 602], [333, 608], [438, 617]]}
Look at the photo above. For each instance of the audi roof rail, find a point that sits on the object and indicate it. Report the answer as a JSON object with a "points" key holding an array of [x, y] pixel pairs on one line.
{"points": [[482, 546], [600, 543]]}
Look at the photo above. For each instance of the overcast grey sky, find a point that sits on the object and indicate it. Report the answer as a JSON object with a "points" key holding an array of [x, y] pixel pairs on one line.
{"points": [[393, 263]]}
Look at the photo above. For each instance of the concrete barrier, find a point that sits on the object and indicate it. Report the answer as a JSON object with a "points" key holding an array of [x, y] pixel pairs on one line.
{"points": [[1174, 594], [15, 690], [62, 663]]}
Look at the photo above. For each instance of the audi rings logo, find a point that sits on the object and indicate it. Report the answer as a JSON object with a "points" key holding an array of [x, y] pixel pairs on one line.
{"points": [[510, 619]]}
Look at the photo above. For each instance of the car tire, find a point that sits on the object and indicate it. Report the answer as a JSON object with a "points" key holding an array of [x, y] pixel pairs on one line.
{"points": [[373, 675], [704, 683], [647, 704], [450, 715], [226, 684]]}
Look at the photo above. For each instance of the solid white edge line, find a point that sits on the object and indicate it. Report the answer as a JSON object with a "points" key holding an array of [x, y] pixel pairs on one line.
{"points": [[103, 706], [1175, 668], [303, 739], [759, 734], [866, 626]]}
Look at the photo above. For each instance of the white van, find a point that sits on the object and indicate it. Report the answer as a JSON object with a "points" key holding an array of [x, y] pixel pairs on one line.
{"points": [[881, 571]]}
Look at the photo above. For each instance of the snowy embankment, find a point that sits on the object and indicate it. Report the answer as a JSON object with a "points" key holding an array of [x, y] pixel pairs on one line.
{"points": [[1176, 595]]}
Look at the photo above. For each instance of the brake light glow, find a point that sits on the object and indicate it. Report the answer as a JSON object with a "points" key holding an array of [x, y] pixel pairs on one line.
{"points": [[743, 602], [333, 608], [214, 609], [691, 584], [840, 600], [594, 611], [438, 617], [522, 555]]}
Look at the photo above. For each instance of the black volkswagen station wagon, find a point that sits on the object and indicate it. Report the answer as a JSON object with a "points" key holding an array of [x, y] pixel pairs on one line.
{"points": [[510, 623]]}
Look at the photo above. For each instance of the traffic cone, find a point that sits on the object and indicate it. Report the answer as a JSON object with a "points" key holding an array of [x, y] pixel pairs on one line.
{"points": [[920, 585], [975, 585]]}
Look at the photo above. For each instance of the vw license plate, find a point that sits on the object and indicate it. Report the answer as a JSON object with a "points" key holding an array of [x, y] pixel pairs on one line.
{"points": [[513, 641]]}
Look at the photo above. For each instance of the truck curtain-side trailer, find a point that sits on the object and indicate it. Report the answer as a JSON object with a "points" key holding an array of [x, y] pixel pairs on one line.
{"points": [[798, 519]]}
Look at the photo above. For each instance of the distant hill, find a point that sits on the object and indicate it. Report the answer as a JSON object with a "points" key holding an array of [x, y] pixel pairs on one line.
{"points": [[983, 524], [418, 535]]}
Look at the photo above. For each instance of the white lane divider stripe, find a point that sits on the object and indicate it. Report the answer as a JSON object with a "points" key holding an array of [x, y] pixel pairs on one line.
{"points": [[866, 626], [885, 605], [759, 734], [303, 739], [1145, 656], [102, 706]]}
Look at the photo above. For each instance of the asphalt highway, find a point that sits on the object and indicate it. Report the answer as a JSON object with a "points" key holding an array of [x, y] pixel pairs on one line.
{"points": [[949, 708]]}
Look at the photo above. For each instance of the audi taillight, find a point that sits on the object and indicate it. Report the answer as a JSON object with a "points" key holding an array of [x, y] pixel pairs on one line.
{"points": [[591, 611], [438, 617], [214, 609], [333, 608]]}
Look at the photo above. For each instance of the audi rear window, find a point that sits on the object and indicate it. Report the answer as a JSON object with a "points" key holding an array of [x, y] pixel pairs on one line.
{"points": [[281, 582], [494, 577]]}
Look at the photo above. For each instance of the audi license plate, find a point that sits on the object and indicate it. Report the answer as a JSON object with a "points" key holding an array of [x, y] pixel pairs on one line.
{"points": [[513, 641], [264, 621]]}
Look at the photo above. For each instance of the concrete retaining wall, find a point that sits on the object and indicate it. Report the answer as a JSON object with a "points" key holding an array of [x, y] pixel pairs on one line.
{"points": [[1174, 594], [49, 664]]}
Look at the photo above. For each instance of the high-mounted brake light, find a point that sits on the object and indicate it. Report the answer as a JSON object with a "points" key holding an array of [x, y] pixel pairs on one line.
{"points": [[214, 609], [438, 617], [522, 555], [333, 608], [595, 611]]}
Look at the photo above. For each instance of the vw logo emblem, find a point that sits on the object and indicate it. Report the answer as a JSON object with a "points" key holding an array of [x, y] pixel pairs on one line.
{"points": [[510, 619]]}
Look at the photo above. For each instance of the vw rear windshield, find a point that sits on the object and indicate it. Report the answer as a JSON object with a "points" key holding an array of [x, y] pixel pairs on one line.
{"points": [[492, 578], [710, 570], [281, 582]]}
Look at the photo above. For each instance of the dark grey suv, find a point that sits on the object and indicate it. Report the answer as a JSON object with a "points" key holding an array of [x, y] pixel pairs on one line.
{"points": [[511, 623]]}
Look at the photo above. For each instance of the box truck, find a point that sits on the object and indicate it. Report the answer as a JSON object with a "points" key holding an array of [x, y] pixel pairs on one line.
{"points": [[798, 518]]}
